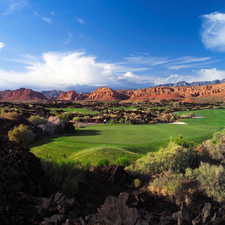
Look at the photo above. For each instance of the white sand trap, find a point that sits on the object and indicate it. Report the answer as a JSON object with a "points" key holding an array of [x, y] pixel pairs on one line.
{"points": [[179, 123], [198, 117]]}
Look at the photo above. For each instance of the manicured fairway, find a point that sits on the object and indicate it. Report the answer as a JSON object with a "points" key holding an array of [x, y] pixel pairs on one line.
{"points": [[138, 139]]}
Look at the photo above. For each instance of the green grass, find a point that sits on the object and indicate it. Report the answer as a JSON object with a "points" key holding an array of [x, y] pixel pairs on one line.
{"points": [[75, 110], [101, 153], [138, 139], [128, 108]]}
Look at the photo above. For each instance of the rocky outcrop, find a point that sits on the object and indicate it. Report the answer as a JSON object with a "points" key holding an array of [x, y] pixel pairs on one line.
{"points": [[52, 94], [106, 94], [178, 93], [21, 95], [68, 96]]}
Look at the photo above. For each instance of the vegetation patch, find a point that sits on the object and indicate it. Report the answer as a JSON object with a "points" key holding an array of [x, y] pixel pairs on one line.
{"points": [[75, 110], [96, 156]]}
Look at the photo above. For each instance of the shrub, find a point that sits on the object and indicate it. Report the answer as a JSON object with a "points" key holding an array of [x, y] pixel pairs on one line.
{"points": [[212, 180], [137, 183], [103, 162], [174, 157], [174, 185], [123, 161], [21, 135], [214, 149], [64, 176], [37, 120], [9, 115], [179, 140]]}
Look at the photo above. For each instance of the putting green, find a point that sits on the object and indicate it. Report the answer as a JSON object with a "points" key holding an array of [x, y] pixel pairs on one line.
{"points": [[138, 139]]}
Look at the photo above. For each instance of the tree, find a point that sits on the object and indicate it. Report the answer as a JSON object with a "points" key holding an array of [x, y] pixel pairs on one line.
{"points": [[21, 135]]}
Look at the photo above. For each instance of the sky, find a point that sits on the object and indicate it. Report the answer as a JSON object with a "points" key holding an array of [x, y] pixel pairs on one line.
{"points": [[83, 44]]}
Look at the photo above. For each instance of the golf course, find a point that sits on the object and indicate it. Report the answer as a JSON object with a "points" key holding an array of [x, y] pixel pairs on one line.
{"points": [[105, 141]]}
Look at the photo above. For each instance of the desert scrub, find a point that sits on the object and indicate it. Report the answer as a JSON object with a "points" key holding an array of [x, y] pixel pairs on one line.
{"points": [[103, 162], [123, 161], [37, 120], [175, 186], [174, 157], [22, 135], [63, 176], [9, 115], [211, 179], [214, 148]]}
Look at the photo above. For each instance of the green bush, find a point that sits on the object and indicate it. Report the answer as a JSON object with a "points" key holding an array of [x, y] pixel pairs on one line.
{"points": [[37, 120], [212, 180], [21, 135], [182, 142], [64, 176], [123, 161], [174, 157], [103, 162], [214, 149], [173, 185]]}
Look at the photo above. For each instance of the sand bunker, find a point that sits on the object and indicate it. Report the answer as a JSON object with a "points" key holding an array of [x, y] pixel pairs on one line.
{"points": [[198, 117], [179, 123]]}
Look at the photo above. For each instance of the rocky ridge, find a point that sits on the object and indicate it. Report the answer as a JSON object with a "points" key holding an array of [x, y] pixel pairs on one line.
{"points": [[179, 93]]}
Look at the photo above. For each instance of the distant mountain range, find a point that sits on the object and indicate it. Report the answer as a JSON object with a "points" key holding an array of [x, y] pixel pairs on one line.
{"points": [[181, 91], [196, 83]]}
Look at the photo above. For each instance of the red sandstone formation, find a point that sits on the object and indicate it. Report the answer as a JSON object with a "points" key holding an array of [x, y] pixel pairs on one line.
{"points": [[21, 95], [185, 93], [178, 93], [68, 96], [105, 94]]}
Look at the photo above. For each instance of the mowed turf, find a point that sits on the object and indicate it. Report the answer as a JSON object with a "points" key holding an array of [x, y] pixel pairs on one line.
{"points": [[128, 139]]}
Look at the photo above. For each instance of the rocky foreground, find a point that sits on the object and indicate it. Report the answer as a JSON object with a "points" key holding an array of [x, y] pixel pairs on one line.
{"points": [[179, 93], [105, 197]]}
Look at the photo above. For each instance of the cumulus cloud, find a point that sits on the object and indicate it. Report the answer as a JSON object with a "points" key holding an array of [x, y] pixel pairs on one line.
{"points": [[213, 32], [57, 70], [2, 45], [61, 70]]}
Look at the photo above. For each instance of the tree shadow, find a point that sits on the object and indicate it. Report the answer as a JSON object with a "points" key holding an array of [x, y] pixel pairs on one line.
{"points": [[87, 133], [79, 132]]}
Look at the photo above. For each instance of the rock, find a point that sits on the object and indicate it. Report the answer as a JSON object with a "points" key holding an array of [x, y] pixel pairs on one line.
{"points": [[21, 95], [68, 96], [105, 94], [116, 212]]}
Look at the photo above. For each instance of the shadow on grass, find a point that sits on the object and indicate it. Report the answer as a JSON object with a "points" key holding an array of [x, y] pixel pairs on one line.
{"points": [[80, 132]]}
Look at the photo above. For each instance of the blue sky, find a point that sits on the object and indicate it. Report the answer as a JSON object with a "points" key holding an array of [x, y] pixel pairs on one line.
{"points": [[77, 44]]}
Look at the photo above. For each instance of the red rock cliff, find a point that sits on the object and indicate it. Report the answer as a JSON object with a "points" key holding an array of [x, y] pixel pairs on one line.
{"points": [[21, 95]]}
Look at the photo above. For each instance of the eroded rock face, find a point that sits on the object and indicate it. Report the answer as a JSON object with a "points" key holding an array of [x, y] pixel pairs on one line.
{"points": [[68, 96], [21, 95], [105, 94], [178, 93]]}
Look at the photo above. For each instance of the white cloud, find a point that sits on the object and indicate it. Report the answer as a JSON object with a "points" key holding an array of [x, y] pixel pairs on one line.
{"points": [[80, 20], [47, 20], [213, 33], [210, 74], [2, 45], [54, 70], [61, 70], [169, 63], [14, 5]]}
